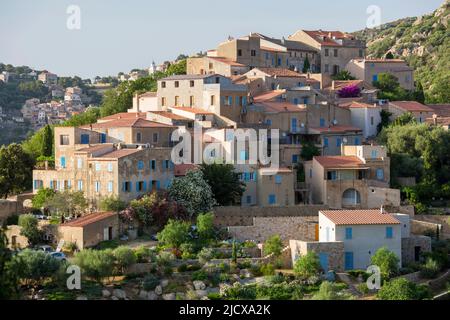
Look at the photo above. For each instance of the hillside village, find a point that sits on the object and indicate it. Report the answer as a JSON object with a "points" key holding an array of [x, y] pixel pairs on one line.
{"points": [[306, 225]]}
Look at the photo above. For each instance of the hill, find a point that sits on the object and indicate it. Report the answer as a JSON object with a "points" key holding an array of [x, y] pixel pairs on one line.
{"points": [[422, 41]]}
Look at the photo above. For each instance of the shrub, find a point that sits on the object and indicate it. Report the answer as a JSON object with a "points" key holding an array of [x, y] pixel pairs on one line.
{"points": [[199, 275], [182, 268], [267, 269], [402, 289], [387, 261], [70, 247], [224, 267], [165, 259], [329, 291], [142, 254], [307, 265], [174, 233], [214, 296], [124, 257], [249, 244], [205, 255], [30, 229], [430, 269], [357, 273], [193, 267], [255, 269], [273, 245], [239, 292], [112, 203], [150, 282], [224, 277], [205, 226], [95, 264], [187, 250], [168, 271], [362, 287]]}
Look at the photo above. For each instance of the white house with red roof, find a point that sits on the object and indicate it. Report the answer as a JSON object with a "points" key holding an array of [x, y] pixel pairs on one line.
{"points": [[365, 116]]}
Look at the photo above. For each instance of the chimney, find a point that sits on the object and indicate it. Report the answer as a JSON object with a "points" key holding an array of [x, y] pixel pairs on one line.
{"points": [[329, 34], [382, 209]]}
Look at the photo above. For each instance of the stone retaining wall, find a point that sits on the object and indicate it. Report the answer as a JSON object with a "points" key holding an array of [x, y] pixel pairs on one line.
{"points": [[409, 244], [299, 227]]}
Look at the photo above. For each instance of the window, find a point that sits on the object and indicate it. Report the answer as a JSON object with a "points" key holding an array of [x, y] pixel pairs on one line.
{"points": [[98, 166], [267, 56], [279, 62], [217, 79], [140, 165], [97, 186], [335, 51], [211, 66], [295, 158], [84, 139], [191, 100], [213, 100], [374, 78], [327, 52], [110, 167], [371, 121], [138, 137], [230, 100], [253, 53], [249, 199], [338, 142], [163, 101], [389, 233], [348, 233], [192, 83], [327, 68], [177, 100], [141, 186], [166, 164], [64, 140], [269, 122], [155, 137], [126, 186], [322, 122], [278, 179], [243, 155], [239, 53], [252, 176], [325, 142], [332, 175], [163, 84], [38, 184], [294, 124], [374, 154], [153, 164], [380, 174], [63, 162], [310, 173], [110, 186], [361, 53], [272, 199], [80, 185], [244, 101]]}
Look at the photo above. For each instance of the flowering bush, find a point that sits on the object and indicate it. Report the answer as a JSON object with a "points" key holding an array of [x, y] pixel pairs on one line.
{"points": [[351, 91]]}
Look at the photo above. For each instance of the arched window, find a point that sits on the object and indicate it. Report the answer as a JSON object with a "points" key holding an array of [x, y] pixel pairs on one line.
{"points": [[351, 197]]}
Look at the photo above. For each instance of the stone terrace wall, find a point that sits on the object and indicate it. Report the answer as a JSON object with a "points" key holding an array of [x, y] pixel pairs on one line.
{"points": [[299, 227], [9, 208], [243, 216], [408, 245]]}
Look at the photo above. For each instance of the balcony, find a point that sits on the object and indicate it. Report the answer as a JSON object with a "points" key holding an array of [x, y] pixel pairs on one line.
{"points": [[45, 165]]}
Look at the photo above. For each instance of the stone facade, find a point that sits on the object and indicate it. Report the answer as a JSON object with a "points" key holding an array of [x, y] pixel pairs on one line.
{"points": [[286, 227], [334, 252], [9, 208], [409, 252]]}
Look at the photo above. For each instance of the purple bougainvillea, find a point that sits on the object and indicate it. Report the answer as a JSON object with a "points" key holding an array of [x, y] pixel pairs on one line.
{"points": [[351, 91]]}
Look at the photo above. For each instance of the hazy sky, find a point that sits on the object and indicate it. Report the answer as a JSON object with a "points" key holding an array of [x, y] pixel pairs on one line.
{"points": [[119, 35]]}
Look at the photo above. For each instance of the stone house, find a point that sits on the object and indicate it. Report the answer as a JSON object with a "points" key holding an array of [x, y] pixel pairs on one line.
{"points": [[215, 65], [368, 70], [359, 178], [365, 116], [420, 111]]}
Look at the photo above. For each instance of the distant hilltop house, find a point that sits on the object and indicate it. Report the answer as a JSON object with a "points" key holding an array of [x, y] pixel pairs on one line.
{"points": [[48, 78]]}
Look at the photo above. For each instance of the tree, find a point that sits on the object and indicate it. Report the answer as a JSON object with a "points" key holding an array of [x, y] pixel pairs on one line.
{"points": [[205, 226], [309, 151], [35, 266], [89, 116], [15, 170], [224, 181], [177, 68], [306, 65], [112, 203], [402, 289], [174, 233], [193, 193], [390, 88], [8, 275], [387, 261], [385, 120], [95, 264], [343, 75], [40, 143], [42, 197], [307, 265], [67, 203], [273, 245], [124, 257], [30, 228], [418, 94]]}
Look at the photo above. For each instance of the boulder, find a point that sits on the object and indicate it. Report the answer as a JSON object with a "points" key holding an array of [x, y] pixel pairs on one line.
{"points": [[169, 296], [245, 273], [199, 285], [82, 298], [106, 293], [164, 283], [119, 293], [152, 296], [143, 294], [114, 298], [201, 293], [158, 290]]}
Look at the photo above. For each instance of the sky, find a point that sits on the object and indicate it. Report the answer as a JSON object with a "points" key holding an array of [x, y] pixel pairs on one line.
{"points": [[119, 35]]}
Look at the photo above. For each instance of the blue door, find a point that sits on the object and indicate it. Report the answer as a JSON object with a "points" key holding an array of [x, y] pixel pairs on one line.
{"points": [[374, 77], [349, 261], [323, 257], [84, 139], [294, 125], [103, 138]]}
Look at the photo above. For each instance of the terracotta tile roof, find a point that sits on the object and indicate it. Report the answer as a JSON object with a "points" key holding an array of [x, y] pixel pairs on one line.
{"points": [[148, 94], [117, 154], [266, 96], [359, 217], [357, 104], [384, 60], [411, 106], [325, 38], [442, 110], [440, 121], [169, 115], [277, 107], [127, 123], [272, 49], [124, 115], [339, 162], [281, 72], [180, 170], [192, 110], [89, 219], [95, 148], [228, 61], [336, 129], [189, 76]]}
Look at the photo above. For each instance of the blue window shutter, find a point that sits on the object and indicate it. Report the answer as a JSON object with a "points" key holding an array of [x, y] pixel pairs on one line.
{"points": [[322, 122], [103, 138], [348, 260], [145, 185], [325, 142], [348, 233], [123, 186], [338, 142], [84, 139], [294, 158], [249, 199], [158, 185], [137, 185], [63, 162], [244, 101], [389, 232], [375, 77], [131, 186], [356, 141], [35, 184], [230, 100]]}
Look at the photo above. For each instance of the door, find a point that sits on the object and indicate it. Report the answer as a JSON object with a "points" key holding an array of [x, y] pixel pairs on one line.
{"points": [[317, 232], [110, 235], [106, 234], [323, 257], [327, 234], [349, 261], [417, 253]]}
